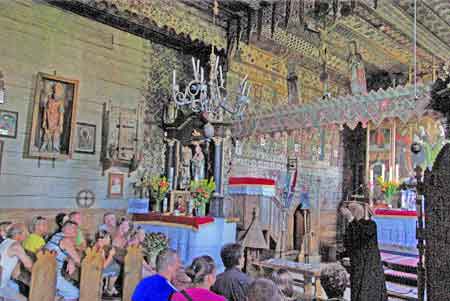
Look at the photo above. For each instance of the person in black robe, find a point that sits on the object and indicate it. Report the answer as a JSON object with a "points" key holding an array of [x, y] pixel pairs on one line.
{"points": [[367, 280]]}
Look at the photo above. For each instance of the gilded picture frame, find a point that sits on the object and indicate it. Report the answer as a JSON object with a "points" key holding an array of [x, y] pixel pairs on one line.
{"points": [[54, 117], [116, 183], [8, 123]]}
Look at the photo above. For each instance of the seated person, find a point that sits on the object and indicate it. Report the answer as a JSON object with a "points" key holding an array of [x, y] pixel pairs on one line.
{"points": [[263, 290], [158, 287], [334, 279], [283, 280], [38, 229], [203, 274], [109, 223], [3, 229], [77, 218], [11, 252], [232, 283], [111, 269], [68, 259]]}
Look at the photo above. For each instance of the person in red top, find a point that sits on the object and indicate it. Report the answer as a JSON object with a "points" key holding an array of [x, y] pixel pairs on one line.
{"points": [[203, 274]]}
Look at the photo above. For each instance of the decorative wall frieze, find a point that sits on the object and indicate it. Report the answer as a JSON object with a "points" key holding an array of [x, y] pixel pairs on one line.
{"points": [[165, 13]]}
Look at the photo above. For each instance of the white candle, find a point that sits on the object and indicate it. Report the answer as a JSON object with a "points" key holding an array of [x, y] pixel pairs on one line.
{"points": [[391, 174], [174, 79], [397, 174], [383, 169], [201, 75], [193, 64], [371, 180], [221, 75]]}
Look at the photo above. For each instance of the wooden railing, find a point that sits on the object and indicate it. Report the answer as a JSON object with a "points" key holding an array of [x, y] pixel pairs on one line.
{"points": [[43, 275]]}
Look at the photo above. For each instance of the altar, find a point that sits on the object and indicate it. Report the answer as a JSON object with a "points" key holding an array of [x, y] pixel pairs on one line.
{"points": [[396, 230], [191, 236]]}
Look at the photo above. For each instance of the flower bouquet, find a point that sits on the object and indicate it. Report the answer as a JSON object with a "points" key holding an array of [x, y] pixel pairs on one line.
{"points": [[153, 244], [159, 186], [201, 191], [389, 188]]}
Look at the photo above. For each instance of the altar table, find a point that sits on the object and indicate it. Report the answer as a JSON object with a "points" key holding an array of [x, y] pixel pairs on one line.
{"points": [[396, 230], [191, 236]]}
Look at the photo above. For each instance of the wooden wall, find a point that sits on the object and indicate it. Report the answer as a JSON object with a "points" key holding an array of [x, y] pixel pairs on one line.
{"points": [[110, 65]]}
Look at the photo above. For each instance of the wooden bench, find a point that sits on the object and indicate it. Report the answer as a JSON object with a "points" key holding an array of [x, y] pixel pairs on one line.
{"points": [[43, 275], [309, 272]]}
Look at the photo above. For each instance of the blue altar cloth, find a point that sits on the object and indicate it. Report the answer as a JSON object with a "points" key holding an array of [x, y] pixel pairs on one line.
{"points": [[397, 233], [190, 243]]}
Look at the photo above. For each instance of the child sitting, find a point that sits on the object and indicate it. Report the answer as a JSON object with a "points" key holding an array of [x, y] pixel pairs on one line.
{"points": [[111, 269]]}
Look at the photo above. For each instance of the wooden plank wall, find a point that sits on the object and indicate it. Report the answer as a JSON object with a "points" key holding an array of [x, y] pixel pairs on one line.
{"points": [[110, 65]]}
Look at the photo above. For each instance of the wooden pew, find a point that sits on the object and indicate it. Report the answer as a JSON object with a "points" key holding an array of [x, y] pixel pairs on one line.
{"points": [[132, 271], [43, 277], [91, 276]]}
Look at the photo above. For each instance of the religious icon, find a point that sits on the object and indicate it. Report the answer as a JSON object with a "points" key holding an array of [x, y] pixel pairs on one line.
{"points": [[115, 185], [54, 116], [358, 73], [198, 164], [85, 138], [8, 124]]}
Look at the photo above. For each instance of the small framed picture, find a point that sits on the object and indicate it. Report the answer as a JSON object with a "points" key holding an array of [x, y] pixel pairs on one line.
{"points": [[115, 185], [85, 138], [1, 155], [8, 124], [179, 201]]}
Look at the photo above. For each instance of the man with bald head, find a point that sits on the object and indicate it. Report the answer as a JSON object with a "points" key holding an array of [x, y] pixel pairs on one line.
{"points": [[159, 286], [360, 240]]}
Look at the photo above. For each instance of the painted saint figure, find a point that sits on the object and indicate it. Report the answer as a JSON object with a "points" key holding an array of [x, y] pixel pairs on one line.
{"points": [[185, 178], [198, 164], [53, 119], [358, 82]]}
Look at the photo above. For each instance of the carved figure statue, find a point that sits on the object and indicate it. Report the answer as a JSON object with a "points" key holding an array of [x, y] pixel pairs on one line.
{"points": [[53, 119], [198, 164], [358, 73], [185, 179]]}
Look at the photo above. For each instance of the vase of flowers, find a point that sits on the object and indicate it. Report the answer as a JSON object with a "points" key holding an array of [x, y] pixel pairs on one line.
{"points": [[153, 244], [201, 191], [159, 186], [389, 189]]}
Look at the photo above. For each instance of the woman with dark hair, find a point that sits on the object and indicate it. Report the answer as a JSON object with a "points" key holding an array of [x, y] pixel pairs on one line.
{"points": [[283, 280], [111, 269], [334, 280], [203, 274]]}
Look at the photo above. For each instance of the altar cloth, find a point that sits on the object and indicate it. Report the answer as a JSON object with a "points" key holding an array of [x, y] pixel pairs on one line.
{"points": [[190, 243], [170, 220], [396, 230]]}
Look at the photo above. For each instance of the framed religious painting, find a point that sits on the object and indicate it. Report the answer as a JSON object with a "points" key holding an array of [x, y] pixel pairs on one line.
{"points": [[85, 138], [116, 185], [179, 202], [8, 124], [54, 117]]}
